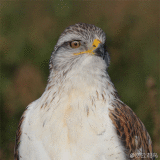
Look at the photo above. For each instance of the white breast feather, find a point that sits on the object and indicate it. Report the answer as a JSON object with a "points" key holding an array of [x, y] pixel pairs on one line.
{"points": [[71, 119]]}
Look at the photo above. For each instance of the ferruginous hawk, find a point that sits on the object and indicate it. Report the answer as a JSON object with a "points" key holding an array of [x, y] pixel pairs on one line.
{"points": [[80, 116]]}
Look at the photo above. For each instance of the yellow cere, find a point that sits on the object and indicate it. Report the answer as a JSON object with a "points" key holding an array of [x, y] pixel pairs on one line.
{"points": [[94, 46]]}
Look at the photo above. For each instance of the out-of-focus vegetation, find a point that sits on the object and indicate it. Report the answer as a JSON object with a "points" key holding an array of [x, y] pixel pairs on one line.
{"points": [[29, 30]]}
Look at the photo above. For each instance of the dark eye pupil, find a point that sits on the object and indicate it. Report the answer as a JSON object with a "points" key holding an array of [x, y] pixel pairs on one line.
{"points": [[74, 44]]}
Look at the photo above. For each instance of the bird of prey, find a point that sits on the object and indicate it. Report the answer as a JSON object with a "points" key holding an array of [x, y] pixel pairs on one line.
{"points": [[80, 115]]}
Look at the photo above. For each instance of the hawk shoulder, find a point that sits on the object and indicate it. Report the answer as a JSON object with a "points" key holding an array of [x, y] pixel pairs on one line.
{"points": [[131, 131]]}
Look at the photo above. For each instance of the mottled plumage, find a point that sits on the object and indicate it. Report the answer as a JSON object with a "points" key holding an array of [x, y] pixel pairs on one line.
{"points": [[80, 116]]}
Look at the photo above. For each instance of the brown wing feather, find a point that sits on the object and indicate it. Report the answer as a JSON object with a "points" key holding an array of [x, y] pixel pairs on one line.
{"points": [[130, 129]]}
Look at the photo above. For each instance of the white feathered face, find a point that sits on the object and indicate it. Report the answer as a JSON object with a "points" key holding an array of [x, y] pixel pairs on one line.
{"points": [[78, 43]]}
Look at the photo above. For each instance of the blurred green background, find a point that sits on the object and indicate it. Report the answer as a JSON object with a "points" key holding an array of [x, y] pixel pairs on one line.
{"points": [[30, 29]]}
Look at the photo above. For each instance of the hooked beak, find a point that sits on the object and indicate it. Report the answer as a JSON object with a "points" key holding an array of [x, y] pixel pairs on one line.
{"points": [[100, 50], [97, 49]]}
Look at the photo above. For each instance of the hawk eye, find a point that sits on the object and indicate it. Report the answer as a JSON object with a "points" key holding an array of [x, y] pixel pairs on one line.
{"points": [[75, 44]]}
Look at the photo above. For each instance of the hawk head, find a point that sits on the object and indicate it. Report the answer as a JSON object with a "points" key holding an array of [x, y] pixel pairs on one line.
{"points": [[80, 46]]}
